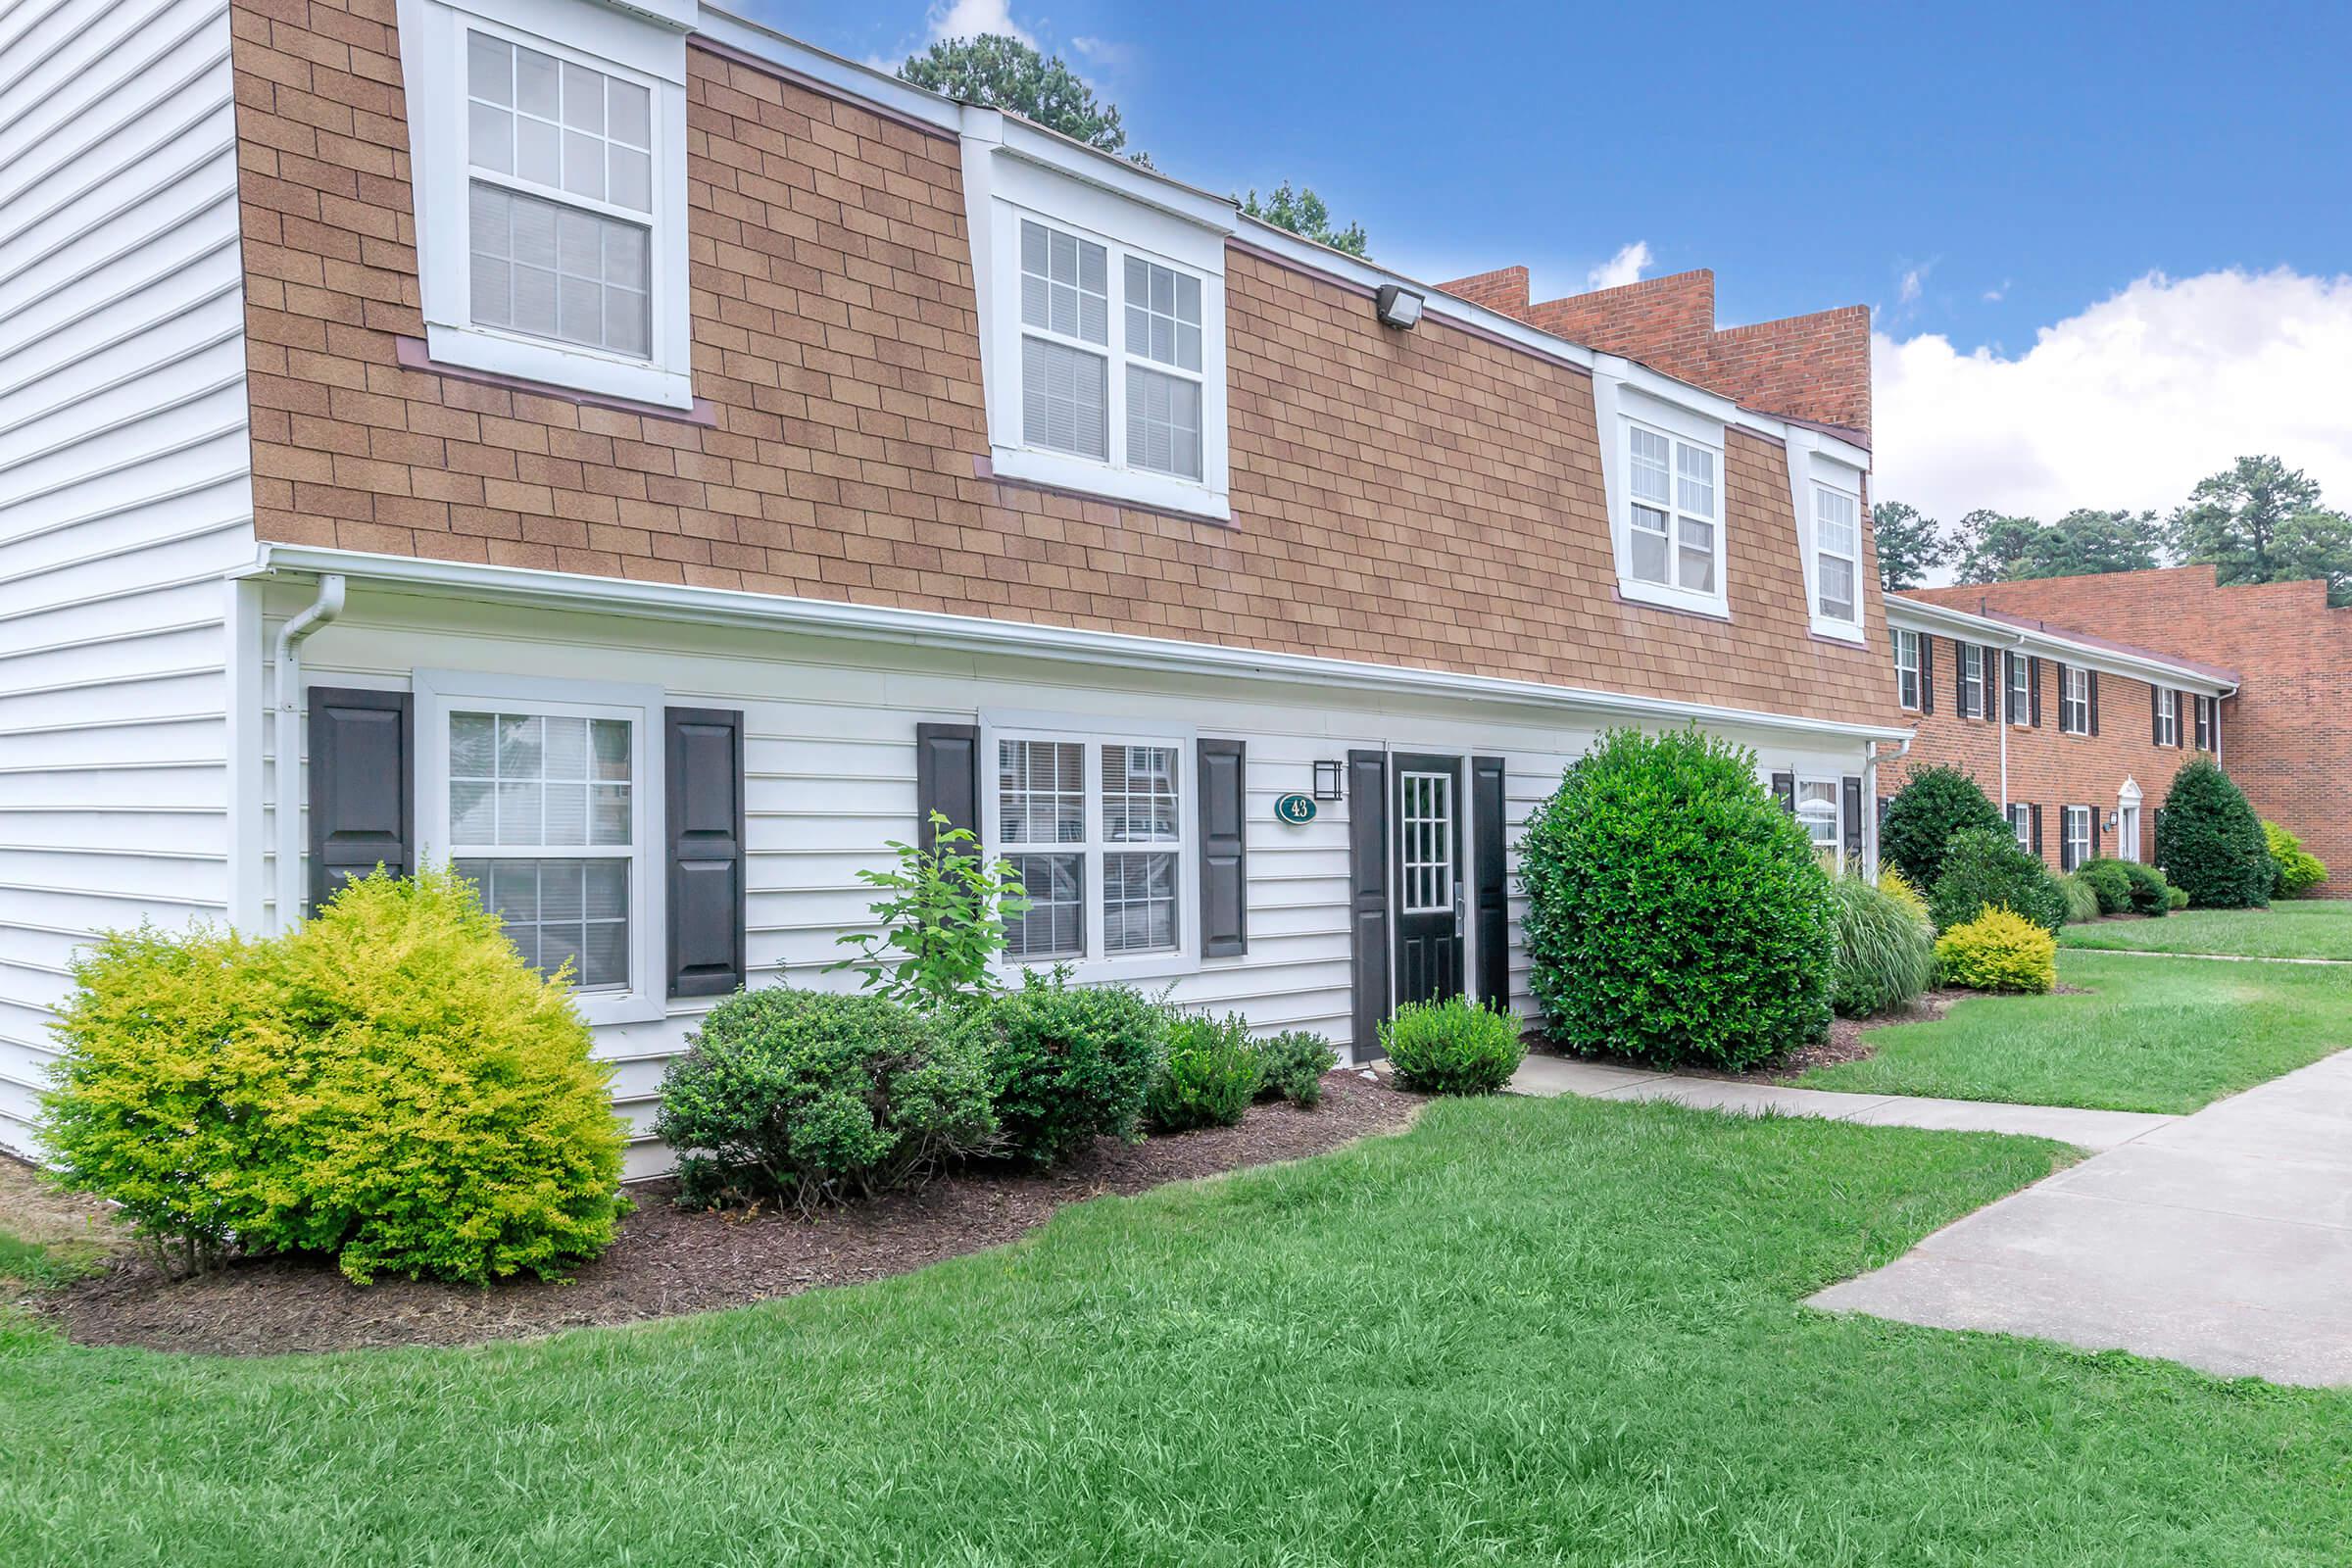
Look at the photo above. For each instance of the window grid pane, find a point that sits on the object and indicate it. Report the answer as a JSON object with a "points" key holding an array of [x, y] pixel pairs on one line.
{"points": [[1065, 402], [518, 779], [558, 124], [1041, 792], [1164, 423], [558, 911], [557, 272], [1428, 859], [1163, 314], [1140, 802], [1065, 284], [1054, 924], [1139, 902]]}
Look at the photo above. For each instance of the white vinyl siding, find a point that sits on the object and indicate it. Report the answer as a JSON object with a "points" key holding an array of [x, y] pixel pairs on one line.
{"points": [[830, 756], [125, 491]]}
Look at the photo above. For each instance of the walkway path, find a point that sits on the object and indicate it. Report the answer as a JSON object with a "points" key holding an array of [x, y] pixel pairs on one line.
{"points": [[2223, 1239], [2090, 1129]]}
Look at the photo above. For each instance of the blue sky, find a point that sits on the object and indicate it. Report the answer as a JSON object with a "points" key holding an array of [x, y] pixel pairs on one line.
{"points": [[2087, 179]]}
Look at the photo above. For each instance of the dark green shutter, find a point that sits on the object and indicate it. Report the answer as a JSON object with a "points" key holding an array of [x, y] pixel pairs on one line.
{"points": [[362, 791], [707, 886], [1850, 795], [2093, 679], [1368, 898], [946, 778], [1927, 673], [1491, 905], [1224, 852], [2033, 690], [1784, 790]]}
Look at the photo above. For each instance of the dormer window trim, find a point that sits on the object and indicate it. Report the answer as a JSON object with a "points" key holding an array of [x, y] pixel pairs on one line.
{"points": [[1826, 480], [642, 49], [1122, 301], [1664, 474]]}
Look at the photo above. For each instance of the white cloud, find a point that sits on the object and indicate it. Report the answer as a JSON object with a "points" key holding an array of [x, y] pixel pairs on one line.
{"points": [[2127, 404], [1909, 294], [1103, 54], [1994, 296], [968, 19], [1626, 267]]}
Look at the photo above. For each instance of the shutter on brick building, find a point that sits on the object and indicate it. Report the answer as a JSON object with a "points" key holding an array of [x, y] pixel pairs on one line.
{"points": [[1491, 907], [2155, 716], [361, 786], [1224, 851], [1849, 790], [1927, 673], [946, 778], [1784, 790], [2093, 679], [1960, 679], [2033, 827], [704, 801], [2033, 690]]}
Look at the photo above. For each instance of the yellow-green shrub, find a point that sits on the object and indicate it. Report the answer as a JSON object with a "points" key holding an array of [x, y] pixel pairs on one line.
{"points": [[2000, 950], [389, 1083], [1897, 887]]}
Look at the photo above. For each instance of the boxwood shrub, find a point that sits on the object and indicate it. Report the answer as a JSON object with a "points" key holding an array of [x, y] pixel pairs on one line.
{"points": [[2110, 881], [1886, 952], [2209, 842], [1291, 1065], [2151, 893], [1455, 1046], [1207, 1078], [1921, 819], [1984, 869], [1066, 1064], [819, 1097], [1676, 914], [388, 1084]]}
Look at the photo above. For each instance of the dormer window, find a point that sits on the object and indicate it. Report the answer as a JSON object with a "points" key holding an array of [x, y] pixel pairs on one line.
{"points": [[551, 193], [1836, 555], [1671, 531], [1103, 325]]}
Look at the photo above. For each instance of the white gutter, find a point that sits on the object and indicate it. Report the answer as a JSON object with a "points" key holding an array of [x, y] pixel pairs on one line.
{"points": [[286, 676], [723, 607], [1920, 616]]}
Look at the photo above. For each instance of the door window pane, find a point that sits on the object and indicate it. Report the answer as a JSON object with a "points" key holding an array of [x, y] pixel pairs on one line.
{"points": [[1427, 863]]}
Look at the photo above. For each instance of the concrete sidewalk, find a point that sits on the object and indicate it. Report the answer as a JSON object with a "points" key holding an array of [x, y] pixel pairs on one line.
{"points": [[2223, 1240], [2088, 1129]]}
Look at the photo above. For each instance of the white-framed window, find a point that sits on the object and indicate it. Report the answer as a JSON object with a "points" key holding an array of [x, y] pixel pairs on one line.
{"points": [[2168, 716], [551, 192], [2208, 714], [1836, 555], [2020, 693], [1906, 666], [1817, 808], [2078, 835], [1102, 325], [1672, 517], [2021, 824], [1971, 682], [1097, 827], [547, 795], [2073, 700]]}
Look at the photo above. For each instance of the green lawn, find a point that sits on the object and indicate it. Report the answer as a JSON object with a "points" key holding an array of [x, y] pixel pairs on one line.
{"points": [[2151, 1035], [2314, 928], [1529, 1331]]}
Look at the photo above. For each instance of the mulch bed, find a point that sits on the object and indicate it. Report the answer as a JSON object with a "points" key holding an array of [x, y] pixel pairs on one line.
{"points": [[666, 1261]]}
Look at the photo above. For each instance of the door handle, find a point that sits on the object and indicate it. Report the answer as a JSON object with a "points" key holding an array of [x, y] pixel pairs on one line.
{"points": [[1457, 906]]}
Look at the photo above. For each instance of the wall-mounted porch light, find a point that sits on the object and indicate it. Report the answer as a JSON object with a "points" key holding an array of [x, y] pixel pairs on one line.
{"points": [[1397, 307], [1327, 781]]}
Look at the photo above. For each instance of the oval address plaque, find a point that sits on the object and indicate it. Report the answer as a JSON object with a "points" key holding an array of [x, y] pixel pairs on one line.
{"points": [[1295, 810]]}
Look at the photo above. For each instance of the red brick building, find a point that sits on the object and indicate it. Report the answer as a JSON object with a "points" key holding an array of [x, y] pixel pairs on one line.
{"points": [[2284, 727]]}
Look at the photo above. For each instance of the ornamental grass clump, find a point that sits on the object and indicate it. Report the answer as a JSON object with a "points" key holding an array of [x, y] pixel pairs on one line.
{"points": [[2000, 950], [1676, 914], [818, 1097], [1886, 951], [2081, 900], [388, 1084], [2209, 842]]}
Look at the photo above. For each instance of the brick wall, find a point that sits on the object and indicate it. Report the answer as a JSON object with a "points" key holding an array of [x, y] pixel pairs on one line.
{"points": [[2048, 766], [1813, 367], [2286, 737], [1429, 497]]}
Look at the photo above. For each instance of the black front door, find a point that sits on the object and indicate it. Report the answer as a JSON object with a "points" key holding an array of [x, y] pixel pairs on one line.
{"points": [[1426, 824]]}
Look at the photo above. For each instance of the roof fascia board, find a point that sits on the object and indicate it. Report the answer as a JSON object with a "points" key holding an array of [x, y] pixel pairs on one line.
{"points": [[1915, 615], [719, 607]]}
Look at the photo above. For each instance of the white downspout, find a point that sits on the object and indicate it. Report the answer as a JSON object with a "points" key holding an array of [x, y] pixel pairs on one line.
{"points": [[286, 765]]}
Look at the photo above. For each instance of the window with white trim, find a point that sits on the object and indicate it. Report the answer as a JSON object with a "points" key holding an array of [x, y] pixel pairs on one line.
{"points": [[2020, 691], [1674, 513], [2073, 700], [1971, 682], [543, 795], [551, 197], [1906, 666], [1817, 808], [2078, 835], [1837, 555], [1096, 831], [2168, 716], [2021, 824], [2208, 714]]}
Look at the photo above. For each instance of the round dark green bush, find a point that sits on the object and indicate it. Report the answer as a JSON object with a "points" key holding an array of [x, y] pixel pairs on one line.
{"points": [[2210, 842], [1923, 816], [1676, 914], [1455, 1046], [1291, 1065], [1066, 1064], [813, 1096], [1210, 1076], [2151, 894], [1886, 952], [1984, 869], [2111, 882]]}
